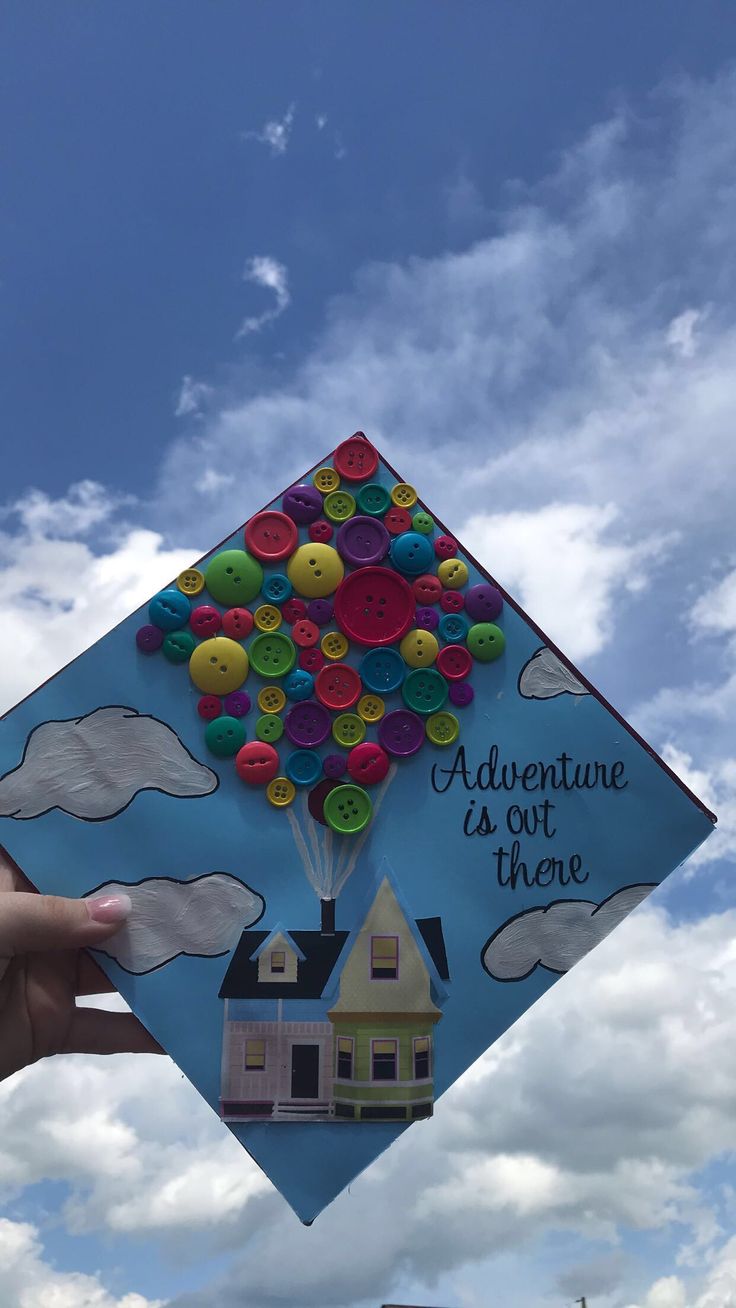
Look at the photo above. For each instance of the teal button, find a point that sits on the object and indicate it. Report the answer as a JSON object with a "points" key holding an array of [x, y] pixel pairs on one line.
{"points": [[178, 646], [224, 736], [425, 690], [373, 499], [303, 767]]}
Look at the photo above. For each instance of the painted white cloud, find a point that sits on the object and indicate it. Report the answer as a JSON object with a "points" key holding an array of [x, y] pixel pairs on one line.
{"points": [[92, 767], [203, 916], [545, 676], [264, 271], [275, 133], [558, 935], [27, 1280]]}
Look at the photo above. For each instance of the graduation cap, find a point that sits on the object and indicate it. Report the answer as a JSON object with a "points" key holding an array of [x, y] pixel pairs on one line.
{"points": [[366, 813]]}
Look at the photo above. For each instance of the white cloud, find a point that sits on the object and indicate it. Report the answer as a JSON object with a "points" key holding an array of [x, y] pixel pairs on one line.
{"points": [[28, 1281], [321, 121], [716, 1289], [192, 395], [264, 271], [275, 133], [715, 609], [86, 504], [681, 333]]}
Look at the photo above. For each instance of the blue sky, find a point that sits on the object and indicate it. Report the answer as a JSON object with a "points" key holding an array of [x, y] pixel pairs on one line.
{"points": [[499, 239]]}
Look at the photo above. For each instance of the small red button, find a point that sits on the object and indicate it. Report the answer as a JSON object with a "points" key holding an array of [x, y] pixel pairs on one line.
{"points": [[368, 763], [338, 686], [237, 623], [397, 520], [205, 620], [374, 606], [209, 707], [257, 763], [445, 547], [321, 530], [294, 609], [452, 601], [311, 659], [427, 589], [454, 662], [356, 459], [305, 633], [271, 535]]}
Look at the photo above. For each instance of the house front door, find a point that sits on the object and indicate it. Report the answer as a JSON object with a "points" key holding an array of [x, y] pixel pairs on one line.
{"points": [[305, 1071]]}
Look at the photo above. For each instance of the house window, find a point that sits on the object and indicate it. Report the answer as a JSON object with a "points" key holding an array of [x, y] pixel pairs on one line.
{"points": [[421, 1058], [383, 1060], [344, 1058], [255, 1055], [278, 960], [384, 958]]}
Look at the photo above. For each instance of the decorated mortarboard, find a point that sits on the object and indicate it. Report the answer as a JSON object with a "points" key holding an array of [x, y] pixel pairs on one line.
{"points": [[365, 811]]}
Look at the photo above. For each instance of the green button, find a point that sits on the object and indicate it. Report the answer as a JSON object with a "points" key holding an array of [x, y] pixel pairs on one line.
{"points": [[348, 729], [348, 809], [425, 690], [374, 499], [269, 727], [442, 728], [486, 641], [178, 646], [234, 577], [225, 736], [272, 654], [339, 505], [422, 523]]}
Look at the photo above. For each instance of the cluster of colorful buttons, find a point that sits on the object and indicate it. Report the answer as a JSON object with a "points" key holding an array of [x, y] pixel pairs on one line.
{"points": [[364, 598]]}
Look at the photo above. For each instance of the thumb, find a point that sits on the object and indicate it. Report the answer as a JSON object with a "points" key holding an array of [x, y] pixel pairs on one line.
{"points": [[31, 922]]}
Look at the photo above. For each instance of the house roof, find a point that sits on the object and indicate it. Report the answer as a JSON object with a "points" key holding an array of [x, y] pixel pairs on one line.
{"points": [[320, 954], [431, 931]]}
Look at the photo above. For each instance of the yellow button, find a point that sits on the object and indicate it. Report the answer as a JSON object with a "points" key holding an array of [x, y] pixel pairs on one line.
{"points": [[190, 581], [404, 495], [271, 699], [453, 573], [334, 645], [218, 666], [315, 570], [326, 480], [442, 728], [348, 729], [371, 708], [339, 505], [280, 792], [419, 648], [267, 617]]}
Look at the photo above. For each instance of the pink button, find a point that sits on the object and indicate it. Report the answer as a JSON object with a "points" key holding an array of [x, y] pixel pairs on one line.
{"points": [[452, 601], [356, 459], [305, 633], [205, 620], [257, 763], [374, 606], [427, 588], [337, 685], [321, 531], [237, 623], [294, 609], [455, 662], [209, 707], [271, 535], [311, 659], [445, 547], [368, 763]]}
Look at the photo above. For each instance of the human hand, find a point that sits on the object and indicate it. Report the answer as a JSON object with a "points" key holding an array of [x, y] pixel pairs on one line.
{"points": [[44, 966]]}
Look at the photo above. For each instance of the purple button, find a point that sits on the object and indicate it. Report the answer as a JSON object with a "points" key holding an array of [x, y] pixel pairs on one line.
{"points": [[319, 611], [318, 794], [401, 733], [237, 703], [483, 602], [303, 504], [461, 693], [307, 724], [363, 541], [149, 638], [334, 766], [427, 619]]}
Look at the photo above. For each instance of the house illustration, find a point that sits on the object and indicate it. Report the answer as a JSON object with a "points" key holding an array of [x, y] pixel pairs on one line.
{"points": [[335, 1024]]}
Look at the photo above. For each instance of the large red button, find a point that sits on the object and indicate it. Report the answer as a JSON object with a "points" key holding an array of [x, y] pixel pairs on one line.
{"points": [[454, 662], [427, 588], [397, 520], [271, 535], [368, 763], [356, 459], [374, 606], [338, 686], [257, 763], [237, 623]]}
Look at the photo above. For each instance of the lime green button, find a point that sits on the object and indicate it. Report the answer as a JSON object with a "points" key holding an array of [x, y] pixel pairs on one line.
{"points": [[348, 729], [422, 523], [178, 645], [374, 499], [224, 736], [425, 690], [486, 641], [442, 728], [272, 654], [234, 577], [339, 505], [269, 727], [348, 809]]}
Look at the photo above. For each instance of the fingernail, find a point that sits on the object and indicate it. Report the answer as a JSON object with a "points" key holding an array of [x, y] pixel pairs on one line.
{"points": [[110, 908]]}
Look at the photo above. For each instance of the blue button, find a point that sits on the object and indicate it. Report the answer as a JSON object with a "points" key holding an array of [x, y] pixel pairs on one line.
{"points": [[382, 670], [303, 767], [169, 610], [453, 628], [277, 588], [299, 685], [412, 553]]}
